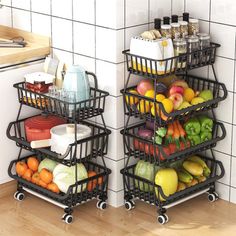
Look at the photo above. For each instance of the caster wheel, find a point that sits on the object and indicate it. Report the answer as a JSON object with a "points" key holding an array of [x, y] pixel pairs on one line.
{"points": [[101, 205], [67, 218], [19, 196], [162, 219], [212, 197], [129, 205]]}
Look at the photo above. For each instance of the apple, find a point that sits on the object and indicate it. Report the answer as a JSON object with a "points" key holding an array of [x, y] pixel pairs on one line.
{"points": [[143, 86], [206, 95], [177, 100], [176, 89], [180, 83]]}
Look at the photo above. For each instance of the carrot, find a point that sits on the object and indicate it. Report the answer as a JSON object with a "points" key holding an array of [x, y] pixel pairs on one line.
{"points": [[176, 135], [181, 132], [170, 131]]}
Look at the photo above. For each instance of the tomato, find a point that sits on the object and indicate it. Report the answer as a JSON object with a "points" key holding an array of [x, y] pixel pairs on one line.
{"points": [[100, 180], [91, 184], [28, 174], [138, 145], [35, 178], [33, 163], [172, 148], [166, 152], [53, 187], [21, 168], [46, 176]]}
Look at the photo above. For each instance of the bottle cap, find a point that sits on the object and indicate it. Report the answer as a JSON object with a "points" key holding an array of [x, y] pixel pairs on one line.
{"points": [[157, 23]]}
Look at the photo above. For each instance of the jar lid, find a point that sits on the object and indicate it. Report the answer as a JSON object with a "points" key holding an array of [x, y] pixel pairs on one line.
{"points": [[203, 36], [166, 27], [192, 39], [179, 42], [183, 22], [193, 21], [175, 25], [39, 77]]}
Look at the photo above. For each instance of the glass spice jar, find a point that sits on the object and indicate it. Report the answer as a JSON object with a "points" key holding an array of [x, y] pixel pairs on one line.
{"points": [[166, 31], [180, 48], [204, 40], [193, 27], [175, 30], [183, 28], [192, 46]]}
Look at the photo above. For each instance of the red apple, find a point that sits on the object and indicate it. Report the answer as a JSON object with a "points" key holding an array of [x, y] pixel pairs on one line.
{"points": [[143, 86], [176, 89], [177, 100]]}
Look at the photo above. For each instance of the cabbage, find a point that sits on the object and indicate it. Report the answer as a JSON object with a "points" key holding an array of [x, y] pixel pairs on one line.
{"points": [[64, 177], [47, 164]]}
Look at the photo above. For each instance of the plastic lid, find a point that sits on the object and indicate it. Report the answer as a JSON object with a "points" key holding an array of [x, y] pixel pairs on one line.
{"points": [[157, 23], [166, 20], [183, 22], [62, 130], [174, 18], [43, 122], [39, 77], [186, 16], [203, 36], [193, 21], [179, 42], [175, 25], [166, 27]]}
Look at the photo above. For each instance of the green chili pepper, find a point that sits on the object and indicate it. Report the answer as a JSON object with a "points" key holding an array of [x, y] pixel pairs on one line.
{"points": [[194, 139], [206, 123], [205, 136], [161, 131], [192, 126], [158, 140]]}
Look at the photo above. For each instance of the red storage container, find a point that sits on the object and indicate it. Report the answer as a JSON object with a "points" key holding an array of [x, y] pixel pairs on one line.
{"points": [[38, 127]]}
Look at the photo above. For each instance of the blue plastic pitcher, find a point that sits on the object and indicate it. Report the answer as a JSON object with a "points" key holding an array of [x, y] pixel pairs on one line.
{"points": [[77, 80]]}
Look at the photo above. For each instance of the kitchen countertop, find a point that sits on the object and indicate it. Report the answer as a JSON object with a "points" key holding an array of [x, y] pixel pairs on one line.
{"points": [[37, 46]]}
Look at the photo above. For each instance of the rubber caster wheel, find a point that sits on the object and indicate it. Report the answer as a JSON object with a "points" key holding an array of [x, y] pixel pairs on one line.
{"points": [[67, 218], [19, 196], [101, 205], [129, 205], [212, 197], [162, 219]]}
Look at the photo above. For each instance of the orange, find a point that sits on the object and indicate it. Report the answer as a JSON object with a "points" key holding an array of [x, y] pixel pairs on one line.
{"points": [[33, 163], [53, 187], [91, 184], [28, 174], [46, 176], [168, 105], [21, 168], [35, 178], [188, 94]]}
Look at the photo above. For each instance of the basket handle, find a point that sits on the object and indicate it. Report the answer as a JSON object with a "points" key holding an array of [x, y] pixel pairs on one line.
{"points": [[225, 91], [223, 131], [94, 78]]}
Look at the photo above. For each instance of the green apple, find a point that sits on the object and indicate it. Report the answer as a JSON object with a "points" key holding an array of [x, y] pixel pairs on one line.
{"points": [[206, 95]]}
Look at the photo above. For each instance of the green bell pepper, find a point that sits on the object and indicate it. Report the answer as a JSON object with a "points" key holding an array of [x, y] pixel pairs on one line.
{"points": [[194, 139], [161, 131], [206, 123], [158, 140], [192, 126], [205, 136]]}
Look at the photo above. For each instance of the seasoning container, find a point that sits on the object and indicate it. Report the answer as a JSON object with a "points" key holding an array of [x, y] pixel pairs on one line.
{"points": [[175, 30], [174, 18], [180, 48], [39, 82], [193, 27], [183, 29], [166, 31], [192, 46], [186, 16], [204, 40], [166, 20]]}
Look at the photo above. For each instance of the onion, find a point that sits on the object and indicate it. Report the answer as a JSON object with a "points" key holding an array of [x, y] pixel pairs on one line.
{"points": [[145, 133]]}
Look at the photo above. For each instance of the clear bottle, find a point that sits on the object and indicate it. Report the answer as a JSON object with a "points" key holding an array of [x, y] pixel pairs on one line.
{"points": [[175, 30], [192, 46], [204, 40], [166, 31], [193, 27], [180, 48], [183, 29]]}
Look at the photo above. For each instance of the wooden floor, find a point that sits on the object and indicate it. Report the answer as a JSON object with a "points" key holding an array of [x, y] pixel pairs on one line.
{"points": [[34, 217]]}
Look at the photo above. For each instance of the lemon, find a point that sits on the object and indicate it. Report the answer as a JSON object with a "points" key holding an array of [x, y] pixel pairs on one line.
{"points": [[143, 107], [131, 99], [150, 93], [168, 105], [160, 97]]}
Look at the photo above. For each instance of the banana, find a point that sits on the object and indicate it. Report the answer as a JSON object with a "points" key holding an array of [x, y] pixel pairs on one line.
{"points": [[184, 176]]}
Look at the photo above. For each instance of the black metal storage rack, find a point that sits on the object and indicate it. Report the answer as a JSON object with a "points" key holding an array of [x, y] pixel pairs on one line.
{"points": [[73, 112], [179, 65]]}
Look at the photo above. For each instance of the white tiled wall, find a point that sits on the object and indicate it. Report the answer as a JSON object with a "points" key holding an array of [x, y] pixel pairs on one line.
{"points": [[94, 32]]}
